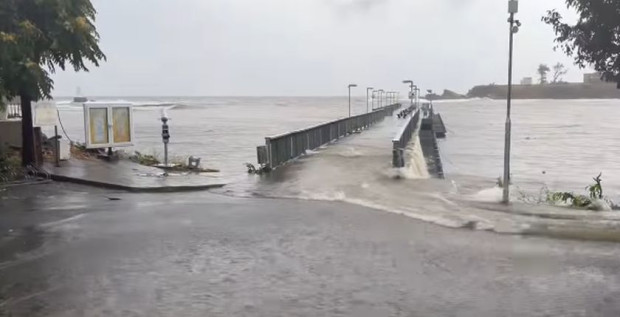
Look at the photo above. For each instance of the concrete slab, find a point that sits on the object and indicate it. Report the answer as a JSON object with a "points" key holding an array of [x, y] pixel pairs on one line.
{"points": [[129, 176]]}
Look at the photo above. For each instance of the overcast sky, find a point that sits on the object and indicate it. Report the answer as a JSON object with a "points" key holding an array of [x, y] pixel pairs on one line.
{"points": [[309, 47]]}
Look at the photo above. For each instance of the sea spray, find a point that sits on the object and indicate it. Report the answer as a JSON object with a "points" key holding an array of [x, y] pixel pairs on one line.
{"points": [[417, 162], [415, 166]]}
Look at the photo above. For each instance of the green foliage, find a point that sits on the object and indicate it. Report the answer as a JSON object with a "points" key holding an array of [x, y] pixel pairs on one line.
{"points": [[559, 70], [37, 36], [177, 163], [596, 189], [595, 192], [542, 72], [594, 39], [144, 159], [9, 163], [577, 201], [260, 170]]}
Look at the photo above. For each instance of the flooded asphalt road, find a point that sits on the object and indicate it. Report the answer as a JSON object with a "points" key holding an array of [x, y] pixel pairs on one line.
{"points": [[72, 251]]}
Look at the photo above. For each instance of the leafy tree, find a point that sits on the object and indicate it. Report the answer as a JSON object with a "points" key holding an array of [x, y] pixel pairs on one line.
{"points": [[36, 37], [559, 70], [594, 39], [542, 72]]}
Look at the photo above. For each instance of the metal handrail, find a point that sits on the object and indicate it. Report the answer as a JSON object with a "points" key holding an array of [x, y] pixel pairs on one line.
{"points": [[403, 137], [13, 111], [280, 149]]}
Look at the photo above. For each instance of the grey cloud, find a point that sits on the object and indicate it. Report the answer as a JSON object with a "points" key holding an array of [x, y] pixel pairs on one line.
{"points": [[308, 47], [356, 5]]}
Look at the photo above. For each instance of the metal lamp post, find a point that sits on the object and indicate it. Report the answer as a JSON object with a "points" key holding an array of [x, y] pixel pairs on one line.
{"points": [[367, 97], [381, 91], [350, 86], [374, 96], [430, 96], [411, 85], [513, 7]]}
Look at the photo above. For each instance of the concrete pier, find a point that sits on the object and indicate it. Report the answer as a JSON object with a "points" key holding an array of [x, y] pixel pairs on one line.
{"points": [[432, 128]]}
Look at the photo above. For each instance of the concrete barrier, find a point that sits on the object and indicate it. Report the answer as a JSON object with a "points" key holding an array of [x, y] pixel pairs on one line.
{"points": [[11, 133]]}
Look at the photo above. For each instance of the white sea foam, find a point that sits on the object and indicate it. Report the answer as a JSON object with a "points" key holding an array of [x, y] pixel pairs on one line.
{"points": [[492, 195]]}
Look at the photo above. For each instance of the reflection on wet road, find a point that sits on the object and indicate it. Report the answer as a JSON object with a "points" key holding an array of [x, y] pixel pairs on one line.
{"points": [[210, 255]]}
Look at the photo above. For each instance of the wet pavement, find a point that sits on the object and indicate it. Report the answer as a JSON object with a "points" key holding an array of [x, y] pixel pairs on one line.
{"points": [[67, 250], [126, 175]]}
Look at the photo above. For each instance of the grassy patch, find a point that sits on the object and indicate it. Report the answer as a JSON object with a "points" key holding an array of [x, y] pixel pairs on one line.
{"points": [[177, 163], [10, 164], [144, 159]]}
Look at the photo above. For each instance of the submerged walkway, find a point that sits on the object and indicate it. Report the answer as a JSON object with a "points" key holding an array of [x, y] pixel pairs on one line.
{"points": [[359, 170]]}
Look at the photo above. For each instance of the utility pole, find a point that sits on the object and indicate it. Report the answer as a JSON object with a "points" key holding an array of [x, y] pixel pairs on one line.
{"points": [[513, 7], [350, 86], [411, 93], [367, 97]]}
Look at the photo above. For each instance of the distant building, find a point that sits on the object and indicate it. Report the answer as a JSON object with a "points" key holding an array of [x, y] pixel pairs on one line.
{"points": [[527, 81], [592, 78]]}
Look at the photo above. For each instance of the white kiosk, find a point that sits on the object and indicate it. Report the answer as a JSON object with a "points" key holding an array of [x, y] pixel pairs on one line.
{"points": [[108, 125]]}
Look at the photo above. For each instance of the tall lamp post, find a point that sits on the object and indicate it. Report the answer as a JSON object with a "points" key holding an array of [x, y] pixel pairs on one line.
{"points": [[374, 96], [381, 91], [367, 97], [411, 85], [513, 7], [350, 86], [430, 96]]}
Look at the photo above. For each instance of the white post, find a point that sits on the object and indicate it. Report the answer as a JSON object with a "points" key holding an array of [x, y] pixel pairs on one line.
{"points": [[513, 7]]}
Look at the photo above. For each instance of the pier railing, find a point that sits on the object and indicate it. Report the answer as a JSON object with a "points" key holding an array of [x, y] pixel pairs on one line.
{"points": [[403, 138], [280, 149], [13, 111]]}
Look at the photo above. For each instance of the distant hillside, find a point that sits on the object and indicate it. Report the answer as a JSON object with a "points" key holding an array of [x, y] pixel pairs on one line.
{"points": [[548, 91], [447, 94]]}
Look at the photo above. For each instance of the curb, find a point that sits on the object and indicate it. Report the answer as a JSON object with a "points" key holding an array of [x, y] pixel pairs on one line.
{"points": [[166, 189]]}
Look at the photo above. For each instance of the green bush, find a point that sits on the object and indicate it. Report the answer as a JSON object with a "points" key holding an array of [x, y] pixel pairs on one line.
{"points": [[10, 163], [144, 159], [595, 192]]}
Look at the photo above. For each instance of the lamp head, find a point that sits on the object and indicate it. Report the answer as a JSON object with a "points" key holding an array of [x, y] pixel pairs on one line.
{"points": [[513, 6]]}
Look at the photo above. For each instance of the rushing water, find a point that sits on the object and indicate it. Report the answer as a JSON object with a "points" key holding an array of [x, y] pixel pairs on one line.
{"points": [[558, 144]]}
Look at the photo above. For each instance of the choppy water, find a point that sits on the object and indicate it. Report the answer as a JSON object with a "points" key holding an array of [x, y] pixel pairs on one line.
{"points": [[558, 144]]}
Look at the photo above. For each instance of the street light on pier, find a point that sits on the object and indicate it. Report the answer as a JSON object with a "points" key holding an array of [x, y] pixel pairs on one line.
{"points": [[411, 90], [350, 86], [513, 8], [373, 97], [430, 96], [367, 96], [381, 91]]}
